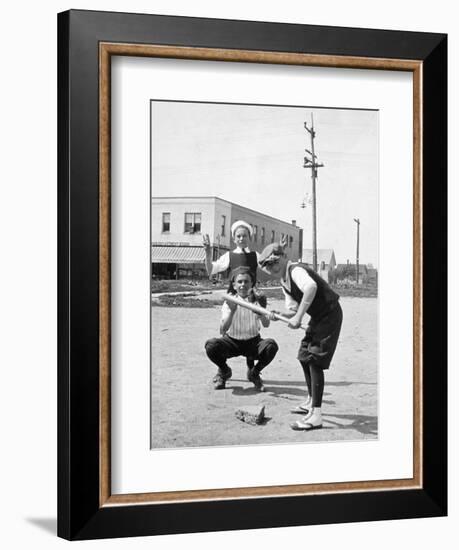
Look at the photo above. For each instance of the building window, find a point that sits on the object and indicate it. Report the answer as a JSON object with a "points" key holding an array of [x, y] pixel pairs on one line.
{"points": [[262, 235], [273, 235], [290, 242], [255, 233], [166, 222], [282, 237], [222, 232], [192, 222]]}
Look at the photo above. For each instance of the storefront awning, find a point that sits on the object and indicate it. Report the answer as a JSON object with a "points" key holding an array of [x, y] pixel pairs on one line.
{"points": [[177, 255]]}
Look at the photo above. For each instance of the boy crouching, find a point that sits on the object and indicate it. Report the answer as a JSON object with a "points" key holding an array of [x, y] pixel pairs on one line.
{"points": [[240, 330]]}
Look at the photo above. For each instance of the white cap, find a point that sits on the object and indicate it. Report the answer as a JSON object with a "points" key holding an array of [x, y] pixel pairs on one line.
{"points": [[241, 223]]}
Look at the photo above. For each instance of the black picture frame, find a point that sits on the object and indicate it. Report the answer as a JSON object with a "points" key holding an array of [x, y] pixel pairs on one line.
{"points": [[81, 515]]}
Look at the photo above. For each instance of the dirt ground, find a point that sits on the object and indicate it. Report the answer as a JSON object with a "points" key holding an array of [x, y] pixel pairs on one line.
{"points": [[188, 412]]}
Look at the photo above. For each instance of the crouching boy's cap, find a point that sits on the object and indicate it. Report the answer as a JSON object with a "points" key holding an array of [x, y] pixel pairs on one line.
{"points": [[270, 254]]}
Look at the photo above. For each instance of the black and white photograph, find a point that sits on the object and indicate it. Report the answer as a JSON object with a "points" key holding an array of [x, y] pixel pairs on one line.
{"points": [[175, 172], [264, 274]]}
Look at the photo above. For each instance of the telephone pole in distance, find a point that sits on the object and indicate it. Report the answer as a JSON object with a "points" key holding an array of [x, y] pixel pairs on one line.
{"points": [[310, 161], [357, 221]]}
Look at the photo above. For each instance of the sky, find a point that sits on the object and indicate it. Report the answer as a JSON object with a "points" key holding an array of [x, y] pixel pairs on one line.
{"points": [[253, 155]]}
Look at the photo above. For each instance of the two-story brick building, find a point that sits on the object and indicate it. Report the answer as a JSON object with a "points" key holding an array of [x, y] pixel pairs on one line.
{"points": [[179, 223]]}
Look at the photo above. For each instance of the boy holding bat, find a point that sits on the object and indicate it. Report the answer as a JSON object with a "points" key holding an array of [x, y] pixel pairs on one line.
{"points": [[306, 292], [240, 330]]}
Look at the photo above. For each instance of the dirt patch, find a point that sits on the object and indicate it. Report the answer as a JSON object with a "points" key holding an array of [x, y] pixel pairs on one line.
{"points": [[209, 298], [361, 291], [182, 285], [270, 288], [188, 412], [184, 300]]}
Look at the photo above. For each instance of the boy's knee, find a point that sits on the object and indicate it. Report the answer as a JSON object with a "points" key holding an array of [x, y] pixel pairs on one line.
{"points": [[211, 346], [211, 343], [272, 346]]}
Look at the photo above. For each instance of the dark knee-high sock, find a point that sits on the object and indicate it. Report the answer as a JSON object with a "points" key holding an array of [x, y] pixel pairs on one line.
{"points": [[317, 384], [307, 376]]}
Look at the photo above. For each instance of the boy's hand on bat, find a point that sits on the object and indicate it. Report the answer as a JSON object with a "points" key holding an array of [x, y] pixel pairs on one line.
{"points": [[294, 322]]}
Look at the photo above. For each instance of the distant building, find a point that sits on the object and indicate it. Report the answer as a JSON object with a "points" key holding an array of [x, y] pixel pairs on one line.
{"points": [[326, 261], [367, 274], [371, 276], [179, 223]]}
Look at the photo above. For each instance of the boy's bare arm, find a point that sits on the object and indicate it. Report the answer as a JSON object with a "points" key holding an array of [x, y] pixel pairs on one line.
{"points": [[288, 314], [308, 297]]}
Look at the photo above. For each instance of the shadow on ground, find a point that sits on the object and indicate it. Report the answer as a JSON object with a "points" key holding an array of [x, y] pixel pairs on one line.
{"points": [[346, 383], [367, 425], [277, 391]]}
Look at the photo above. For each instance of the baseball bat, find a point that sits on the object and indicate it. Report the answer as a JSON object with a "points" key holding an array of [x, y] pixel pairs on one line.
{"points": [[256, 308]]}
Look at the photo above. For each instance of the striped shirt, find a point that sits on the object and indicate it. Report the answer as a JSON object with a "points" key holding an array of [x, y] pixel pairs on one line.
{"points": [[245, 323]]}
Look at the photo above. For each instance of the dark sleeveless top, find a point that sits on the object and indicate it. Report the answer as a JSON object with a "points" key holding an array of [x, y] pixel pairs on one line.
{"points": [[247, 259], [325, 298]]}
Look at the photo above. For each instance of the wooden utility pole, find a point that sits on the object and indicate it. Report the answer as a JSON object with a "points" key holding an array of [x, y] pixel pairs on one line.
{"points": [[357, 221], [311, 162]]}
